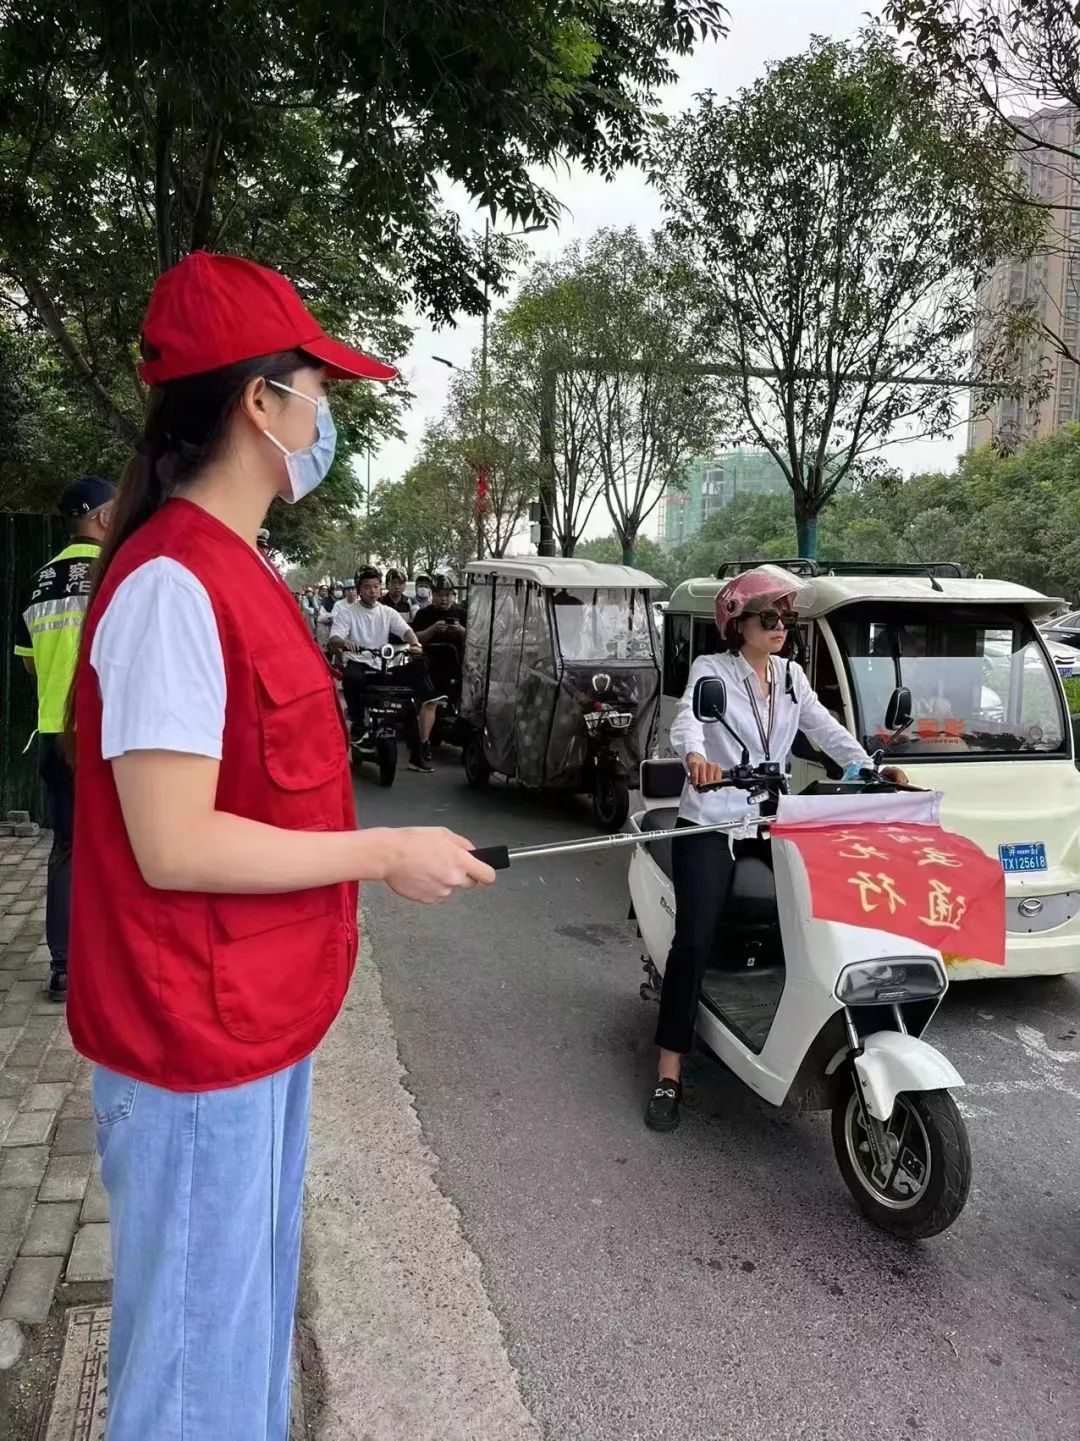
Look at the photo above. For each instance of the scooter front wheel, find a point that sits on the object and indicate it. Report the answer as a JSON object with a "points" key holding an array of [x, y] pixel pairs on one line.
{"points": [[924, 1185]]}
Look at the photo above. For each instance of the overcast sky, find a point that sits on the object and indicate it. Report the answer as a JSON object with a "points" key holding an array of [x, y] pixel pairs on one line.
{"points": [[760, 31]]}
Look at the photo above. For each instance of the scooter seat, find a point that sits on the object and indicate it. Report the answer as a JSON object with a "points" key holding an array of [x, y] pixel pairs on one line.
{"points": [[663, 818]]}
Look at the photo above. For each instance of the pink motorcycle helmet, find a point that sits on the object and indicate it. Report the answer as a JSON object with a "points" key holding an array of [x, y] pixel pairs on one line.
{"points": [[753, 590]]}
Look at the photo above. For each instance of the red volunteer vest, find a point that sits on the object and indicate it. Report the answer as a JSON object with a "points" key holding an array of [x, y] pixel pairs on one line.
{"points": [[188, 990]]}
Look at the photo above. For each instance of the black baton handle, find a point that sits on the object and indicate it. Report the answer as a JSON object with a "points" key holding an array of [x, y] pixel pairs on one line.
{"points": [[497, 857]]}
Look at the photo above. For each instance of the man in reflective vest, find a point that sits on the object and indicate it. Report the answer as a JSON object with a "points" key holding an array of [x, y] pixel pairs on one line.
{"points": [[47, 639]]}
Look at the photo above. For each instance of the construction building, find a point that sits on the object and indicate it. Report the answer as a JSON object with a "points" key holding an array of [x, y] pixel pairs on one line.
{"points": [[1049, 282]]}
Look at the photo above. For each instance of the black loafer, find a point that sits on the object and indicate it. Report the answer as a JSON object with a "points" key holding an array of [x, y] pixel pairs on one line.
{"points": [[662, 1112], [58, 986]]}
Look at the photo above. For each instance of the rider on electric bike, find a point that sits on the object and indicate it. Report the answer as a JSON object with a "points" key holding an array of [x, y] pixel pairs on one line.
{"points": [[769, 701]]}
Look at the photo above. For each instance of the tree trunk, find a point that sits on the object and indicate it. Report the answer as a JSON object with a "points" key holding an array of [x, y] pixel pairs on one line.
{"points": [[806, 530], [163, 132], [204, 207], [628, 552]]}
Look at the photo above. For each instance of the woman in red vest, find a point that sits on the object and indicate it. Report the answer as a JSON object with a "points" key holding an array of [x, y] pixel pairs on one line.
{"points": [[216, 857]]}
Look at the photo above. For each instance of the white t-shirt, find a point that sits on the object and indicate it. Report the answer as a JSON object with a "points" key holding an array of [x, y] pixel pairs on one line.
{"points": [[370, 627], [161, 673]]}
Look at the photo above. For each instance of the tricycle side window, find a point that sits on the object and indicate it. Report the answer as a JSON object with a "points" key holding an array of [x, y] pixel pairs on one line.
{"points": [[980, 682], [537, 644], [477, 644]]}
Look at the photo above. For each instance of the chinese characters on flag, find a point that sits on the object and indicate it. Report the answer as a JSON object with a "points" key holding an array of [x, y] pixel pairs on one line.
{"points": [[911, 880]]}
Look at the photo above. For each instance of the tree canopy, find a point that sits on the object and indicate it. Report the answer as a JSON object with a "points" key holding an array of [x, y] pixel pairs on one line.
{"points": [[313, 136], [1014, 517], [836, 217]]}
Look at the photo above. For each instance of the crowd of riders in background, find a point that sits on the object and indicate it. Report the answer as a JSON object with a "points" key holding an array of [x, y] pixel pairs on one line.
{"points": [[353, 620]]}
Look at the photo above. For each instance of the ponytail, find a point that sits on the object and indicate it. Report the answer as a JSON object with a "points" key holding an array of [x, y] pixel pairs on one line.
{"points": [[185, 427]]}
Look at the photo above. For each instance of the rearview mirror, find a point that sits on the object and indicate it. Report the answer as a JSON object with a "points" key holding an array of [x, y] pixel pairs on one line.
{"points": [[898, 711], [710, 699]]}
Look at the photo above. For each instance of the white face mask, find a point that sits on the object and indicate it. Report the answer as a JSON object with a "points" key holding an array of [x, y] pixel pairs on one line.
{"points": [[308, 468], [423, 594]]}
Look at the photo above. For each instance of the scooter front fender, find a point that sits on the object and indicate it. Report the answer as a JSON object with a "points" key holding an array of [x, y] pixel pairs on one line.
{"points": [[892, 1062]]}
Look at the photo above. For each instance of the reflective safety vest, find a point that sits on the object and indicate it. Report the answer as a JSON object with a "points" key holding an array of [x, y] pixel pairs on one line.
{"points": [[50, 628]]}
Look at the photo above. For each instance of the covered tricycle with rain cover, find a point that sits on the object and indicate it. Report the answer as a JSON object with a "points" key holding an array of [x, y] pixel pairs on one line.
{"points": [[562, 677]]}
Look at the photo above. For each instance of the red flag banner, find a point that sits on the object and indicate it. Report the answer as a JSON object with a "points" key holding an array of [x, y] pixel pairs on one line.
{"points": [[917, 881], [483, 474]]}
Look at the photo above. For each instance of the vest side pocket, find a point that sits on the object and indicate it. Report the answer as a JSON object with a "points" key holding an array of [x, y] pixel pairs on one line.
{"points": [[302, 744], [275, 965]]}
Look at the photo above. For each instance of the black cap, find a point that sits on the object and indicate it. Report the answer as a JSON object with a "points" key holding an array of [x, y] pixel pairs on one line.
{"points": [[443, 583], [84, 496]]}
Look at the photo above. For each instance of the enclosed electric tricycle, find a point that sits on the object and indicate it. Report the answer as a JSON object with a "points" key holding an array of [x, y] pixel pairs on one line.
{"points": [[562, 677]]}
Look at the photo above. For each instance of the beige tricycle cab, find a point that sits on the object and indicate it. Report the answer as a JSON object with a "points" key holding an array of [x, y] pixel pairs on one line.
{"points": [[991, 727]]}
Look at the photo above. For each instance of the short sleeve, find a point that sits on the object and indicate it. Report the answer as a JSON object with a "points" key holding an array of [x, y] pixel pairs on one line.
{"points": [[399, 625], [24, 644], [160, 669], [339, 622]]}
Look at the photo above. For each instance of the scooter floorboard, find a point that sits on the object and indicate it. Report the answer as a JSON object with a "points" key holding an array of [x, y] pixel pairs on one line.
{"points": [[746, 1000]]}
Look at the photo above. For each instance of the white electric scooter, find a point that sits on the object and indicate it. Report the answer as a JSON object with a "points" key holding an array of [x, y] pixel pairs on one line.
{"points": [[813, 1014]]}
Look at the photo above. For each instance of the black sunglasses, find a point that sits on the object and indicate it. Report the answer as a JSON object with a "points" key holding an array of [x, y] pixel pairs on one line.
{"points": [[774, 619]]}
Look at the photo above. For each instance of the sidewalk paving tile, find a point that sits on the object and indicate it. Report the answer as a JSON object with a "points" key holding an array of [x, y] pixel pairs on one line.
{"points": [[23, 1165], [29, 1128], [51, 1229], [59, 1065], [46, 1096], [28, 1294], [96, 1203], [73, 1138], [91, 1255], [26, 1056], [16, 1206], [65, 1179]]}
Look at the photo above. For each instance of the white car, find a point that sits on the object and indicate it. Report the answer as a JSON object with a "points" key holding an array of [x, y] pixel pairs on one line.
{"points": [[1062, 637]]}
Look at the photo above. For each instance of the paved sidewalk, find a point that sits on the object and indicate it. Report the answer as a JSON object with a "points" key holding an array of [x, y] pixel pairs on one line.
{"points": [[55, 1263], [54, 1233]]}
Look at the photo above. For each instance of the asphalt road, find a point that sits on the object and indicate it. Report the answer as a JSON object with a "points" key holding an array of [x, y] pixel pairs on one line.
{"points": [[717, 1282]]}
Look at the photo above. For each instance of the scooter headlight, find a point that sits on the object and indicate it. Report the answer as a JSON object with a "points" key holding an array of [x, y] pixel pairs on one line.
{"points": [[891, 982]]}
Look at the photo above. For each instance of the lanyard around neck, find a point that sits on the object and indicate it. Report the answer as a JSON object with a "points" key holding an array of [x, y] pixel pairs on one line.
{"points": [[764, 731]]}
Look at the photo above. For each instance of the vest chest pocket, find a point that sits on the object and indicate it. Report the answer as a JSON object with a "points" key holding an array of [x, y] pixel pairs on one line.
{"points": [[302, 742]]}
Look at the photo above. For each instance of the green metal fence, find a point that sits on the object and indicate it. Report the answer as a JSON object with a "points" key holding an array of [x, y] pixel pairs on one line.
{"points": [[26, 543]]}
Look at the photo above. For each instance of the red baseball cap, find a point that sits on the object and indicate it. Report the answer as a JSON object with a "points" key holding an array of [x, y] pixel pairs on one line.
{"points": [[215, 310]]}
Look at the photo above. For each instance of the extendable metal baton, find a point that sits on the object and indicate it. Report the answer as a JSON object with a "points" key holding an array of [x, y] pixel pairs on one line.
{"points": [[499, 858]]}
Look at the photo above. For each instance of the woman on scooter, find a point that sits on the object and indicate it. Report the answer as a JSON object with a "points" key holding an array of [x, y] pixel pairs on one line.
{"points": [[769, 700]]}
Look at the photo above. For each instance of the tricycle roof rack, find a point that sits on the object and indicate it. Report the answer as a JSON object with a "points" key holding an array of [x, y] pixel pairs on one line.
{"points": [[567, 571], [949, 569]]}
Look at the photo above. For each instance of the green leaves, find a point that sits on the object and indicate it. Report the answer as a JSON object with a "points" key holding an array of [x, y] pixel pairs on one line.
{"points": [[311, 135], [838, 217]]}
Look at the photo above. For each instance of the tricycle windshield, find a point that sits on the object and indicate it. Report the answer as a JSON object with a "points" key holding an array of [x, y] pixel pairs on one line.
{"points": [[603, 625], [980, 683]]}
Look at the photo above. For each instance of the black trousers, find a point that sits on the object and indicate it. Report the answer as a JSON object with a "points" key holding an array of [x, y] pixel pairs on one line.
{"points": [[60, 792], [355, 680], [702, 871]]}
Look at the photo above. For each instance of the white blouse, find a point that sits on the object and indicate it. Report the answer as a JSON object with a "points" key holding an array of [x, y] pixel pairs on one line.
{"points": [[767, 726]]}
